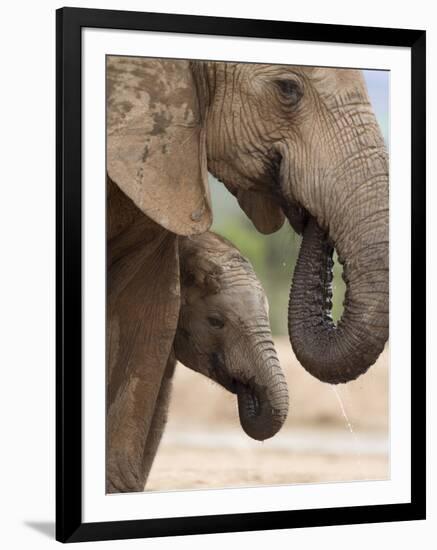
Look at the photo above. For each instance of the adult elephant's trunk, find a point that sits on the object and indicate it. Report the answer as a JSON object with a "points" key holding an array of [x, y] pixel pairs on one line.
{"points": [[337, 353], [263, 397]]}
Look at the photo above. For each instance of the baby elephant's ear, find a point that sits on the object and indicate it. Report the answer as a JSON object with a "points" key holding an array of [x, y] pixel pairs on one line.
{"points": [[155, 141], [211, 283], [265, 213], [197, 269]]}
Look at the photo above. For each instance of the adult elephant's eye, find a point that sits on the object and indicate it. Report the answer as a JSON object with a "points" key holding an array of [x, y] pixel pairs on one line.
{"points": [[216, 322], [291, 90]]}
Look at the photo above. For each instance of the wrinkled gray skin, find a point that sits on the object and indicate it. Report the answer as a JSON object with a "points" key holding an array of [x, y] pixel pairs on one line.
{"points": [[290, 142], [224, 333]]}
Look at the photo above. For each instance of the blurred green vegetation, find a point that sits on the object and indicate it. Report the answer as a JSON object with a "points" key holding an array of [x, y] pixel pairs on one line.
{"points": [[272, 256]]}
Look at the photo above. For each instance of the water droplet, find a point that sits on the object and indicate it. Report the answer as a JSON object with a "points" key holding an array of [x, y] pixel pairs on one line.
{"points": [[350, 428]]}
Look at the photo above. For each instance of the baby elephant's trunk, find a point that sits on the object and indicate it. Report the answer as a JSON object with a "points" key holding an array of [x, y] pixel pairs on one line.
{"points": [[263, 395]]}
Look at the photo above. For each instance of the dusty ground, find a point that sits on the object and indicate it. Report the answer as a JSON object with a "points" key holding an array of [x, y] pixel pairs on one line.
{"points": [[205, 468], [332, 434]]}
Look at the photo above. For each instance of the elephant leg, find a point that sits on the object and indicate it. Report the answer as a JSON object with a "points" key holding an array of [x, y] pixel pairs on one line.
{"points": [[143, 306], [159, 416]]}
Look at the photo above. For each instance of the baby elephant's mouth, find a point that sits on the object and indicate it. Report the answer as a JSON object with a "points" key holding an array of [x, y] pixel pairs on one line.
{"points": [[219, 373], [258, 418]]}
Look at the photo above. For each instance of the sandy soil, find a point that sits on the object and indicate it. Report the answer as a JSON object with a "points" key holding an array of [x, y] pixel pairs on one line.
{"points": [[205, 468], [332, 434]]}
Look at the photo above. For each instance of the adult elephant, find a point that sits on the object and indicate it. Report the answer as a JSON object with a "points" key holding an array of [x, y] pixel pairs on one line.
{"points": [[300, 143]]}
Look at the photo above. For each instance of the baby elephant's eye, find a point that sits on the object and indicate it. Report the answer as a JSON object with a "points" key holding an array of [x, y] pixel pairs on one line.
{"points": [[216, 322], [291, 90]]}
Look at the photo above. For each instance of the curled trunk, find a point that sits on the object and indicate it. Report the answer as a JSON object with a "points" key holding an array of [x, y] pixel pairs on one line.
{"points": [[263, 398], [337, 353]]}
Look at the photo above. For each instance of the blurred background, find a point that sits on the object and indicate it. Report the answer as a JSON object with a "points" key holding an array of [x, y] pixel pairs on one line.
{"points": [[333, 433]]}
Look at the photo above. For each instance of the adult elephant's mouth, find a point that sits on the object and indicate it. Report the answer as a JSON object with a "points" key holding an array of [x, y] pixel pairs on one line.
{"points": [[297, 215]]}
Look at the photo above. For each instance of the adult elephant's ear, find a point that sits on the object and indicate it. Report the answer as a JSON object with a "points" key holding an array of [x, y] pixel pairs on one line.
{"points": [[155, 142], [265, 213]]}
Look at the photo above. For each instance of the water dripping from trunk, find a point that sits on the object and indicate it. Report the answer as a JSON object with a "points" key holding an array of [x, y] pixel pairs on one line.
{"points": [[350, 428]]}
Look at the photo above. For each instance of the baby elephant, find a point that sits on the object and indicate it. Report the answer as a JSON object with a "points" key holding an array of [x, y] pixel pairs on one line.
{"points": [[224, 331]]}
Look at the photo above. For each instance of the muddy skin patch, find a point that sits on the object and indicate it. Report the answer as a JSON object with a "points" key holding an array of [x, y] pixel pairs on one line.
{"points": [[145, 153], [161, 122]]}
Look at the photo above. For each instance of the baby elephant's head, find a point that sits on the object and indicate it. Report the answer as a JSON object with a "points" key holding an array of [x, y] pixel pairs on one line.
{"points": [[224, 331]]}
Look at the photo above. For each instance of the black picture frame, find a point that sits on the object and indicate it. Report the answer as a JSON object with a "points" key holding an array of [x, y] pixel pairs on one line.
{"points": [[69, 525]]}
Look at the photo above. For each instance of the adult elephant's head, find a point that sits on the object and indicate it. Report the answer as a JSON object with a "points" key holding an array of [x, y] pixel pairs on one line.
{"points": [[289, 142]]}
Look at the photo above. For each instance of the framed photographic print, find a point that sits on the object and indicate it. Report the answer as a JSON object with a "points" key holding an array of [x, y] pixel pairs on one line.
{"points": [[241, 275]]}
